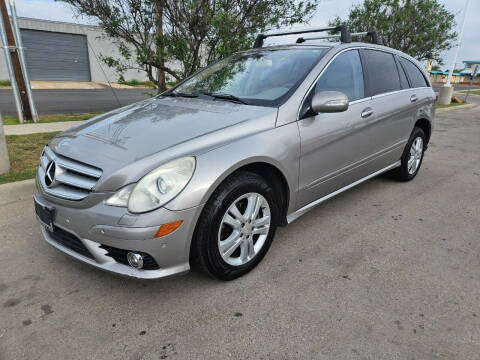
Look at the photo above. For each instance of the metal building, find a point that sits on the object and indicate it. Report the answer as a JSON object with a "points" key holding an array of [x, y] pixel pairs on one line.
{"points": [[59, 51]]}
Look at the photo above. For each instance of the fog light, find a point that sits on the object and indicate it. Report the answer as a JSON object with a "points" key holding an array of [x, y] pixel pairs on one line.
{"points": [[135, 260]]}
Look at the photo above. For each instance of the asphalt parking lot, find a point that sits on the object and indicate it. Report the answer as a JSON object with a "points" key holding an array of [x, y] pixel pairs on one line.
{"points": [[384, 271]]}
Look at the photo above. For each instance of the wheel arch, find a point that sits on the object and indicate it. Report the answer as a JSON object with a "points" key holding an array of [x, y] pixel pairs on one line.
{"points": [[426, 126], [261, 166], [266, 168], [275, 178]]}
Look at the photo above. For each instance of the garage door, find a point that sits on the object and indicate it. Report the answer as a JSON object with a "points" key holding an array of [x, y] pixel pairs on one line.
{"points": [[56, 56]]}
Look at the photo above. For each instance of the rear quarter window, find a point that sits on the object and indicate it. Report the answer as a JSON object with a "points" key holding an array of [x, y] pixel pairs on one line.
{"points": [[382, 72], [414, 74], [403, 76]]}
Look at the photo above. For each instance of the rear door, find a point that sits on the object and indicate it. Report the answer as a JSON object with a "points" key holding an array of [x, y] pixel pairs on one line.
{"points": [[335, 146], [391, 105], [420, 91]]}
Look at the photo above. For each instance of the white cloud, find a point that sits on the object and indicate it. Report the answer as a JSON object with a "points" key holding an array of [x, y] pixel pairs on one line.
{"points": [[48, 10], [327, 10]]}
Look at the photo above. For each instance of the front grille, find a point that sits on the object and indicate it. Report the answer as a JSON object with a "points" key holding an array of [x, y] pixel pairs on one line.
{"points": [[69, 241], [69, 179], [120, 256]]}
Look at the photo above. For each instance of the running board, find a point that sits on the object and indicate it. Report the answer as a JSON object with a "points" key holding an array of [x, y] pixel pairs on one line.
{"points": [[294, 216]]}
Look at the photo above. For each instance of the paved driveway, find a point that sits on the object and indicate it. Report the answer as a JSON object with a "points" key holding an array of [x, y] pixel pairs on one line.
{"points": [[384, 271]]}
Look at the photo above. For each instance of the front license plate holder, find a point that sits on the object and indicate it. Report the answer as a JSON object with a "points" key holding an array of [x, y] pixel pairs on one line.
{"points": [[45, 214]]}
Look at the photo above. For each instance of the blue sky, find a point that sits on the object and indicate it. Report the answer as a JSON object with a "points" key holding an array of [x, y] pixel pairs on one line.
{"points": [[327, 9]]}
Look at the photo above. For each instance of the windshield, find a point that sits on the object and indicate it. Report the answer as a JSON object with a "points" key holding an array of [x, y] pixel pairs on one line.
{"points": [[264, 77]]}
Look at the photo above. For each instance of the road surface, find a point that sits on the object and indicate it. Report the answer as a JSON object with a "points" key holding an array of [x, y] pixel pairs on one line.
{"points": [[437, 86], [386, 270], [75, 101]]}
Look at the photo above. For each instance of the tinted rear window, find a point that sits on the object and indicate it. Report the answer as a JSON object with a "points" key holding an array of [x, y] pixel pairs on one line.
{"points": [[382, 72], [416, 77]]}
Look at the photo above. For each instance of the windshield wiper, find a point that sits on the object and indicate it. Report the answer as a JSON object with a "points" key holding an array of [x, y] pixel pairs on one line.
{"points": [[225, 97], [181, 94]]}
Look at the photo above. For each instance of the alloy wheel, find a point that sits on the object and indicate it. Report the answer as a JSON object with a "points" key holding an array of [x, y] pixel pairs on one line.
{"points": [[415, 156], [244, 229]]}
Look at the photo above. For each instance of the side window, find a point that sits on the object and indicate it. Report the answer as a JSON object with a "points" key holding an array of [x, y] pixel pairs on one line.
{"points": [[344, 74], [382, 72], [416, 77], [403, 76]]}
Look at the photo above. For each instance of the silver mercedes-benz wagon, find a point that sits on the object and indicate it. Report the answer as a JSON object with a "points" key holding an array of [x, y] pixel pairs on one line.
{"points": [[205, 172]]}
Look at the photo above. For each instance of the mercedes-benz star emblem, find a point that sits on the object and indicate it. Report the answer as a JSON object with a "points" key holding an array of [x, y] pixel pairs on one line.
{"points": [[50, 173]]}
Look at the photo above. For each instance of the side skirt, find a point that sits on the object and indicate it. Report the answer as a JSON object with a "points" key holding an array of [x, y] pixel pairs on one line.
{"points": [[295, 215]]}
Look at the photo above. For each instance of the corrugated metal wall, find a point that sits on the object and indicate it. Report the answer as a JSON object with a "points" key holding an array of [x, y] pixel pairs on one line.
{"points": [[56, 56]]}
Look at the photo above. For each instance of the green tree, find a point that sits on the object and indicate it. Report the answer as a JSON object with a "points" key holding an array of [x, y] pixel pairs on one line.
{"points": [[436, 67], [180, 36], [420, 28]]}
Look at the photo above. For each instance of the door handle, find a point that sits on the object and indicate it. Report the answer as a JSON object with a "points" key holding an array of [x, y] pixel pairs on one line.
{"points": [[367, 112], [413, 98]]}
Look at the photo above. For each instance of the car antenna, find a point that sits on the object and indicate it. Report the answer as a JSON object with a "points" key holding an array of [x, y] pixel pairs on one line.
{"points": [[101, 68]]}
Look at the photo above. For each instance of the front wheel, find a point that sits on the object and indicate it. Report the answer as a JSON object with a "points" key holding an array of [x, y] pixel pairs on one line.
{"points": [[412, 157], [236, 226]]}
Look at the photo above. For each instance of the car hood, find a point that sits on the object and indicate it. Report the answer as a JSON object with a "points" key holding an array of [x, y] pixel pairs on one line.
{"points": [[126, 135]]}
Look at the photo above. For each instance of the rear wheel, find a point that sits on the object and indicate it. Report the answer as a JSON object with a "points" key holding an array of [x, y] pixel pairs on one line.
{"points": [[236, 226], [412, 157]]}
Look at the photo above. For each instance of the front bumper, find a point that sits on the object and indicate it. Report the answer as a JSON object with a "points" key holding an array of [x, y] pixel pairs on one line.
{"points": [[101, 225]]}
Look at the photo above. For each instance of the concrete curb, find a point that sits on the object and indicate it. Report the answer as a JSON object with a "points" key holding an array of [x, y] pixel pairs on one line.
{"points": [[474, 95], [467, 106], [464, 92], [16, 191]]}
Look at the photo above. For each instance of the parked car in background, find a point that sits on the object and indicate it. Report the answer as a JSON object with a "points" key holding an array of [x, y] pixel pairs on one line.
{"points": [[205, 172]]}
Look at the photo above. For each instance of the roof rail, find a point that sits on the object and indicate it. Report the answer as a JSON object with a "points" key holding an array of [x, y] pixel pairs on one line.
{"points": [[344, 34], [373, 34]]}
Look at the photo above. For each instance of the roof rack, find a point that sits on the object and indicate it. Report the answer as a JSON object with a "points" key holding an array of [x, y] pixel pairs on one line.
{"points": [[344, 34], [373, 34]]}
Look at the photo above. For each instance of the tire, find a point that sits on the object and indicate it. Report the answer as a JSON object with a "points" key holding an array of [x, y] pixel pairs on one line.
{"points": [[214, 229], [406, 172]]}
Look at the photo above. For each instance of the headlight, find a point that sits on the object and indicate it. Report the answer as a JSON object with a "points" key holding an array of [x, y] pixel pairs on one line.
{"points": [[120, 198], [156, 188]]}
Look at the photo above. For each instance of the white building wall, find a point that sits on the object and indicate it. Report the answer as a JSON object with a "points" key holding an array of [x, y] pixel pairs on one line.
{"points": [[98, 43]]}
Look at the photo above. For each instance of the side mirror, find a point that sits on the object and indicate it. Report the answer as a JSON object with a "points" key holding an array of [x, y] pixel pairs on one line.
{"points": [[329, 102]]}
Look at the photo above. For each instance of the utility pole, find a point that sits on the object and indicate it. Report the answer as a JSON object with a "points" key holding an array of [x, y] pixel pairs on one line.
{"points": [[8, 60], [23, 63], [17, 69]]}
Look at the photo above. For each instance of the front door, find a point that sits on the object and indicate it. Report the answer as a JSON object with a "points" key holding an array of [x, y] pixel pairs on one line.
{"points": [[336, 147]]}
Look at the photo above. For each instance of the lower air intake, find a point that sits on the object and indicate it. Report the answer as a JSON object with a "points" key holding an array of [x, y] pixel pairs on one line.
{"points": [[69, 241]]}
